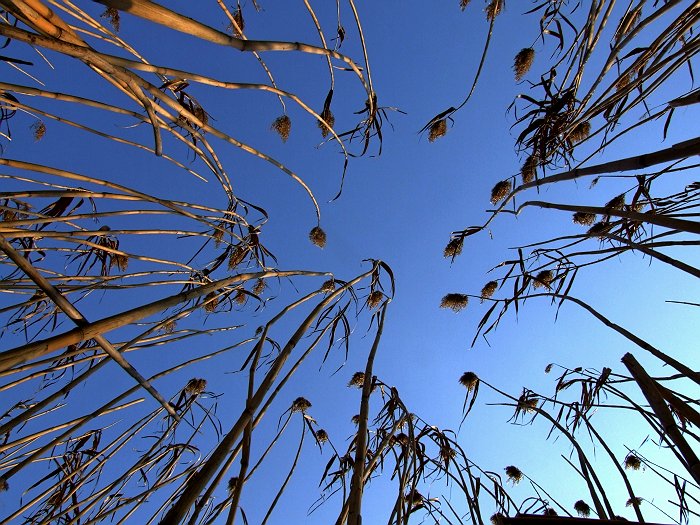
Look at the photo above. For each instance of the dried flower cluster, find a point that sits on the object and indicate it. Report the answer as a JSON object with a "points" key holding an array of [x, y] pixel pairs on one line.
{"points": [[599, 229], [469, 380], [632, 462], [454, 247], [636, 501], [38, 130], [580, 132], [543, 279], [437, 129], [236, 257], [584, 219], [374, 298], [616, 203], [494, 9], [329, 118], [529, 169], [259, 287], [301, 404], [488, 290], [357, 380], [328, 286], [454, 301], [283, 126], [196, 386], [112, 16], [514, 474], [321, 436], [318, 237], [523, 62], [500, 191], [583, 509], [240, 297], [211, 301]]}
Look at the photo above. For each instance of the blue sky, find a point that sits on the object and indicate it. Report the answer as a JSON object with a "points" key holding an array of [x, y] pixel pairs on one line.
{"points": [[399, 207]]}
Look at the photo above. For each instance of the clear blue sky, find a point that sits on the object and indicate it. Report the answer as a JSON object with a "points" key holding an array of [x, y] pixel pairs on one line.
{"points": [[399, 207]]}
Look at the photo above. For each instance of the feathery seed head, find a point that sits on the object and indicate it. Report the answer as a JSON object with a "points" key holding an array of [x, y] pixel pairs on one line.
{"points": [[514, 474], [583, 509], [616, 203], [454, 301], [529, 169], [356, 419], [329, 118], [463, 4], [240, 297], [469, 380], [636, 501], [112, 16], [454, 247], [580, 132], [633, 462], [374, 299], [500, 191], [437, 129], [211, 301], [328, 286], [282, 125], [523, 62], [196, 386], [317, 236], [240, 22], [301, 404], [357, 380], [321, 436], [599, 229], [259, 287], [494, 9], [38, 130], [488, 290], [584, 219], [543, 279]]}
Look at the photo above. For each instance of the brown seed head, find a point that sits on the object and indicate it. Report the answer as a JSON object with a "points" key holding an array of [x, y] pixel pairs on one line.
{"points": [[584, 219], [494, 9], [583, 509], [488, 290], [599, 229], [357, 380], [636, 501], [211, 301], [4, 485], [529, 169], [301, 404], [196, 386], [580, 132], [514, 474], [454, 301], [38, 130], [616, 203], [236, 257], [632, 462], [259, 287], [447, 453], [374, 298], [112, 16], [321, 436], [240, 22], [463, 4], [356, 419], [232, 484], [328, 286], [543, 279], [523, 62], [497, 519], [282, 125], [500, 191], [240, 297], [454, 247], [469, 380], [169, 327], [318, 237], [437, 129], [328, 116]]}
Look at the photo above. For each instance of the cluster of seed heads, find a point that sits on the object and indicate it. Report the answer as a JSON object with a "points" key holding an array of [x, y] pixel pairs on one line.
{"points": [[514, 474], [374, 299], [454, 301], [583, 509], [318, 237], [240, 22], [488, 290], [196, 386], [112, 16], [580, 132], [584, 219], [437, 129], [523, 62], [543, 279], [632, 462], [301, 404], [328, 286], [528, 171], [357, 380], [329, 118], [454, 247], [500, 191], [282, 125], [494, 9], [469, 380], [38, 130]]}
